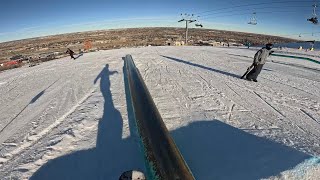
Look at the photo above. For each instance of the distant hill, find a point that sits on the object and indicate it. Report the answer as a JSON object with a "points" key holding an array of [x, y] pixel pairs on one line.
{"points": [[130, 37]]}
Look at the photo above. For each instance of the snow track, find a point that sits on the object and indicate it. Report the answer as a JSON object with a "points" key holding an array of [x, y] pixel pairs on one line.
{"points": [[75, 110]]}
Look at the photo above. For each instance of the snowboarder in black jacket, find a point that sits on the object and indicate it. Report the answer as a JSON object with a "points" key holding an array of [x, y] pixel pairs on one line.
{"points": [[260, 59], [70, 52]]}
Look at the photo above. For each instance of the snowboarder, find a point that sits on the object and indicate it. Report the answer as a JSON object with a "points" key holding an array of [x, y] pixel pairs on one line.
{"points": [[70, 52], [260, 59]]}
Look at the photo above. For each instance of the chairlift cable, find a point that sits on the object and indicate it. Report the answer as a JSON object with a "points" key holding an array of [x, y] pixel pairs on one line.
{"points": [[251, 10], [265, 12], [254, 4]]}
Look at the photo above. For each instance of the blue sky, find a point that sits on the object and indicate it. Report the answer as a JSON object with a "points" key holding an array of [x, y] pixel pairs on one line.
{"points": [[32, 18]]}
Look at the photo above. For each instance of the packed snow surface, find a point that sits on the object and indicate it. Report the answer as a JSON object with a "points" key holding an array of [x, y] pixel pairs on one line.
{"points": [[68, 119]]}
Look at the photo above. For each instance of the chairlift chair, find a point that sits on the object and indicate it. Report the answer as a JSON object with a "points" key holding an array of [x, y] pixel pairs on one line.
{"points": [[314, 18], [253, 20], [198, 24]]}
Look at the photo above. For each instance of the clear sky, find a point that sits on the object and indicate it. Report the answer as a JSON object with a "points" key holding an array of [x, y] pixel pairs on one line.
{"points": [[32, 18]]}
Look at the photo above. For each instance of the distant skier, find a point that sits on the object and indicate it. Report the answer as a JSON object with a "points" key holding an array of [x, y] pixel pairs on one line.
{"points": [[260, 59], [248, 44], [70, 52]]}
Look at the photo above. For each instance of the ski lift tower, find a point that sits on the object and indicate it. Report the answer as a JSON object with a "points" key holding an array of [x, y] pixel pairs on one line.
{"points": [[188, 19]]}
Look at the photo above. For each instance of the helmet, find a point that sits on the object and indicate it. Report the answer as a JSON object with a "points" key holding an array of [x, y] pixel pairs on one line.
{"points": [[269, 46]]}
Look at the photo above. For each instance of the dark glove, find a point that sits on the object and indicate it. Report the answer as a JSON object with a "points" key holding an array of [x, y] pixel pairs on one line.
{"points": [[271, 52]]}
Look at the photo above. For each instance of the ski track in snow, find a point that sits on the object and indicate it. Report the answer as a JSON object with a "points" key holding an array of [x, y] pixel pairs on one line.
{"points": [[54, 109]]}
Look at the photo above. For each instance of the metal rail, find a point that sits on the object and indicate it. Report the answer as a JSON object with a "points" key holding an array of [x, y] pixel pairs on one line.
{"points": [[296, 57], [163, 159]]}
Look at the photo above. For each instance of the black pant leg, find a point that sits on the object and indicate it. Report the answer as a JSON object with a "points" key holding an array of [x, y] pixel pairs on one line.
{"points": [[253, 74]]}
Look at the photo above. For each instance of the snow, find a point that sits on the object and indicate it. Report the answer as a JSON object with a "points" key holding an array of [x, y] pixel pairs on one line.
{"points": [[68, 118]]}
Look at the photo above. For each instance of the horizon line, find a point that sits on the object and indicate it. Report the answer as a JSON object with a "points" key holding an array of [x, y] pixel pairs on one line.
{"points": [[74, 32]]}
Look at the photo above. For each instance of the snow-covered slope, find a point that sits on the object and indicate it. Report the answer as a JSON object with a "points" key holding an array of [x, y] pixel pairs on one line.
{"points": [[67, 119]]}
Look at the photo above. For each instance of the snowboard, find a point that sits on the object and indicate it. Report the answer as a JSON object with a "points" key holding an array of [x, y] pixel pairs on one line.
{"points": [[248, 70]]}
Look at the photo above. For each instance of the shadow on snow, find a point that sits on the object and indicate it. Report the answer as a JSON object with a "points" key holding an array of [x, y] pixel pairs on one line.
{"points": [[212, 149], [203, 67], [112, 154], [215, 150], [33, 100]]}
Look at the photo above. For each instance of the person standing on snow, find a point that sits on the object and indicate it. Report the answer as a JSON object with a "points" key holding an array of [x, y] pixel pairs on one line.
{"points": [[70, 52], [260, 59]]}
